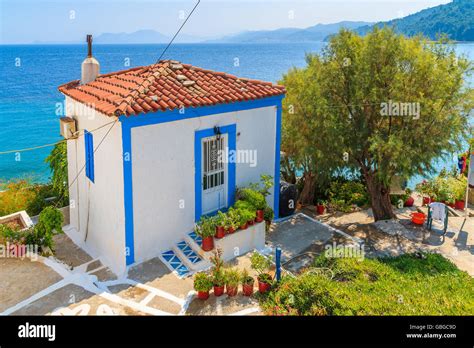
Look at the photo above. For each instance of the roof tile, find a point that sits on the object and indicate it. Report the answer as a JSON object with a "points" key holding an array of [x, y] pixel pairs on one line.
{"points": [[161, 86]]}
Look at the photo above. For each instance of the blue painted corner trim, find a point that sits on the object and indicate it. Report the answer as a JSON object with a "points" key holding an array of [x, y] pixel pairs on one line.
{"points": [[232, 145], [276, 199], [128, 194]]}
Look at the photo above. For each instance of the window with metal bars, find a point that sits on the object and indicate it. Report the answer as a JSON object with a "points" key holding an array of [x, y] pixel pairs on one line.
{"points": [[213, 168]]}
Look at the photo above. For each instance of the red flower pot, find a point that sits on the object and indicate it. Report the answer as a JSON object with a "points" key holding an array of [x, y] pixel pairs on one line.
{"points": [[320, 209], [426, 200], [409, 202], [207, 243], [259, 217], [230, 230], [460, 205], [220, 232], [452, 205], [243, 227], [418, 218], [203, 295], [218, 290], [231, 290], [263, 287], [250, 222], [247, 289]]}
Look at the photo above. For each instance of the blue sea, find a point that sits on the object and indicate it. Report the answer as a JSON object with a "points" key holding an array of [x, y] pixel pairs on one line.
{"points": [[30, 75]]}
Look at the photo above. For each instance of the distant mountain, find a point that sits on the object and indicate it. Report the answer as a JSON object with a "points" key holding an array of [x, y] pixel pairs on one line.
{"points": [[315, 33], [455, 19], [142, 36]]}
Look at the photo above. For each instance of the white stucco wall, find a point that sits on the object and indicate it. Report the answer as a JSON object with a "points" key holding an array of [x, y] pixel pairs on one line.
{"points": [[97, 208], [163, 172]]}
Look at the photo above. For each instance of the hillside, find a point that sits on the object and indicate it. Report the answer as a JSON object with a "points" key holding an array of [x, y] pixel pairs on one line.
{"points": [[315, 33], [455, 19]]}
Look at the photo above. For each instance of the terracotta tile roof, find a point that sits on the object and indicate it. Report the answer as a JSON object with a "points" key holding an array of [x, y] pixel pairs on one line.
{"points": [[166, 85]]}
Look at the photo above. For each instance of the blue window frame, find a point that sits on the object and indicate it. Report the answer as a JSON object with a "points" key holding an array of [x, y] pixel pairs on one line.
{"points": [[89, 143]]}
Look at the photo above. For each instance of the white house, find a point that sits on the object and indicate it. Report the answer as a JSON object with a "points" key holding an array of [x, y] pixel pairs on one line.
{"points": [[139, 168]]}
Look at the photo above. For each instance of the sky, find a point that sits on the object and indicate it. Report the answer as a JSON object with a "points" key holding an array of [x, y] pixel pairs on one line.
{"points": [[29, 21]]}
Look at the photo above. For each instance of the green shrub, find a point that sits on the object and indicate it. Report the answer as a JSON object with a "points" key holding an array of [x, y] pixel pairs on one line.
{"points": [[232, 276], [348, 193], [403, 285], [206, 227], [261, 265], [254, 198], [202, 282], [49, 223]]}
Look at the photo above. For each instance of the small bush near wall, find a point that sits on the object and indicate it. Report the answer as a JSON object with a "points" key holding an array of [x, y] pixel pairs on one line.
{"points": [[404, 285]]}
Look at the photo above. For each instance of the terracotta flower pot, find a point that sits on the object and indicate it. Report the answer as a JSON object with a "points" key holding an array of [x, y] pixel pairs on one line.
{"points": [[243, 227], [263, 287], [220, 232], [203, 295], [247, 289], [231, 290], [320, 209], [207, 243], [259, 217], [250, 222], [230, 230], [218, 290], [409, 202], [460, 205], [426, 200]]}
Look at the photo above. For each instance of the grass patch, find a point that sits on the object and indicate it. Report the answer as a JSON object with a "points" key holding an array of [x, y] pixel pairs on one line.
{"points": [[403, 285]]}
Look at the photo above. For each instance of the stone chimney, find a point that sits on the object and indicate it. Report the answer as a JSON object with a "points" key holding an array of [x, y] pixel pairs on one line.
{"points": [[90, 67]]}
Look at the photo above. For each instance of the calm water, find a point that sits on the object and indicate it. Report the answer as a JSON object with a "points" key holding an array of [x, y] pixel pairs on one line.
{"points": [[30, 75]]}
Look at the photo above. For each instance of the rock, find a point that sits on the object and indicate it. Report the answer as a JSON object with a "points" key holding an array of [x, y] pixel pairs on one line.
{"points": [[392, 227], [352, 228]]}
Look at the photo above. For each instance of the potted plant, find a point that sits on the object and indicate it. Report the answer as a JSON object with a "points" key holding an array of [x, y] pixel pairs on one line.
{"points": [[320, 207], [246, 210], [268, 216], [232, 222], [247, 283], [409, 200], [261, 265], [205, 228], [256, 200], [217, 274], [202, 284], [232, 280], [220, 222], [459, 186]]}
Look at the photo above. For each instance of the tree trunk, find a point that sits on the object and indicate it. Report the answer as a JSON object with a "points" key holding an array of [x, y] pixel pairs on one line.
{"points": [[307, 194], [379, 198]]}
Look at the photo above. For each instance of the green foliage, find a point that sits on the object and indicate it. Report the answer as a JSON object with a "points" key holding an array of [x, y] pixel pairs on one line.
{"points": [[57, 161], [17, 196], [245, 278], [334, 108], [49, 223], [217, 273], [261, 265], [232, 276], [404, 285], [455, 20], [268, 214], [446, 187], [350, 192], [11, 235], [255, 198], [202, 282], [206, 227]]}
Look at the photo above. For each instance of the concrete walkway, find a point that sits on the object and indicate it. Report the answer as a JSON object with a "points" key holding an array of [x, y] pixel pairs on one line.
{"points": [[73, 283]]}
